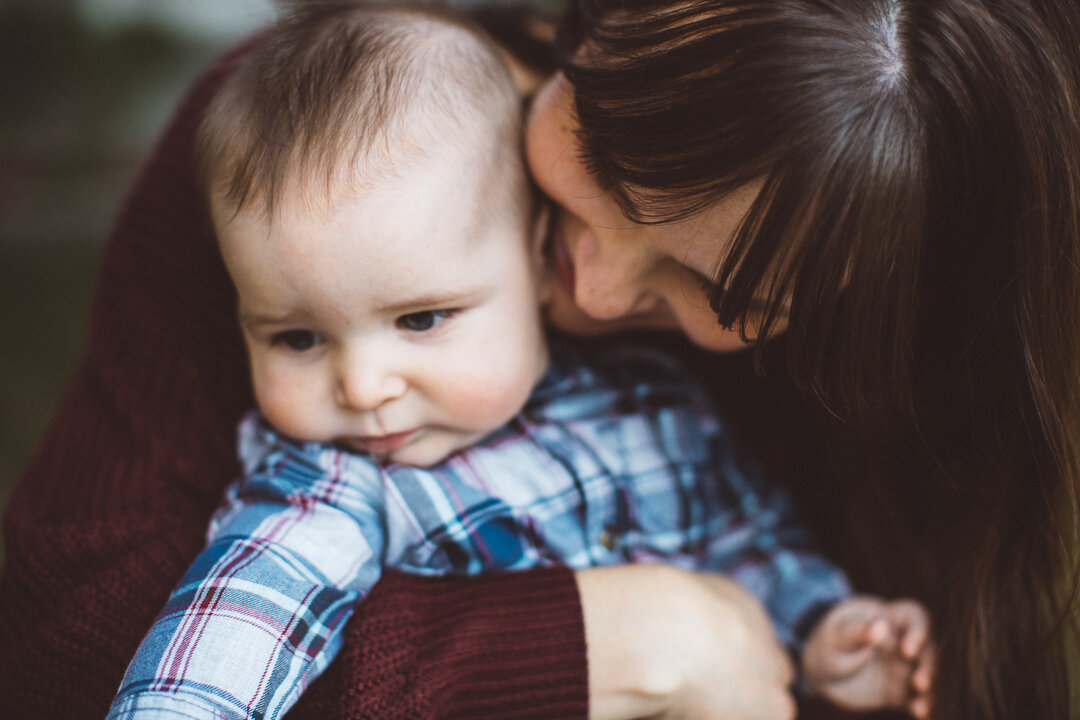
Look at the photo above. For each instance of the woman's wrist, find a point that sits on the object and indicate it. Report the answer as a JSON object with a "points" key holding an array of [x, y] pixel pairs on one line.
{"points": [[627, 678]]}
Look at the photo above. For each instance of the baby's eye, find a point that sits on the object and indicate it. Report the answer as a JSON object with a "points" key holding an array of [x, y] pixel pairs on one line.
{"points": [[424, 320], [297, 340]]}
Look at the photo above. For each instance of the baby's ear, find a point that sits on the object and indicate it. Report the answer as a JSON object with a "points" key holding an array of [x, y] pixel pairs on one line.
{"points": [[541, 224], [545, 290], [546, 282], [538, 250]]}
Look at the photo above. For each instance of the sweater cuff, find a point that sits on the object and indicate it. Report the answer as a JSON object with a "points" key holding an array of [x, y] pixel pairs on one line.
{"points": [[533, 662], [508, 645]]}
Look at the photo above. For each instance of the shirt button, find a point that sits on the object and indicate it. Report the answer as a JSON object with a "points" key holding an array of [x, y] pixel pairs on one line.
{"points": [[609, 538]]}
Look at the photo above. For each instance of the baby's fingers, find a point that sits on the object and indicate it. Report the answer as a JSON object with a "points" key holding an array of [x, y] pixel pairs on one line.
{"points": [[920, 707], [857, 622], [922, 679], [855, 633], [922, 676], [912, 623]]}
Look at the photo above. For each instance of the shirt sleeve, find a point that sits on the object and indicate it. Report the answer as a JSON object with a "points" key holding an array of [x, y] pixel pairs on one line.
{"points": [[260, 613], [769, 552], [730, 518]]}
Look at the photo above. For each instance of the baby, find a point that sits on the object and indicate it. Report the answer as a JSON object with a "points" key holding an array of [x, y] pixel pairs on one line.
{"points": [[367, 188]]}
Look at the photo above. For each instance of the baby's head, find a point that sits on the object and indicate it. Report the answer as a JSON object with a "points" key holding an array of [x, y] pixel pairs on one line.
{"points": [[366, 184]]}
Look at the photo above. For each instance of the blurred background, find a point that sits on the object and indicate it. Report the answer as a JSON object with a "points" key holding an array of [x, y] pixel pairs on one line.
{"points": [[85, 87]]}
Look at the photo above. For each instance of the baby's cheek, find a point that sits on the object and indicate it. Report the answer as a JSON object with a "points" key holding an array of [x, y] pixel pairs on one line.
{"points": [[286, 403], [484, 401], [280, 413]]}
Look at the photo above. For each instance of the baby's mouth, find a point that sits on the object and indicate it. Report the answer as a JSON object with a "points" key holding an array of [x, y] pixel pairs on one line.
{"points": [[381, 444]]}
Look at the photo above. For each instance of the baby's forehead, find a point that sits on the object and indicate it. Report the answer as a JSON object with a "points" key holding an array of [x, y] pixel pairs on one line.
{"points": [[485, 145], [457, 189], [441, 225], [453, 169]]}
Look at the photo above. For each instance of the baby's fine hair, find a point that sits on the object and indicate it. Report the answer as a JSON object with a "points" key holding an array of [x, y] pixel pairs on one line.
{"points": [[336, 89]]}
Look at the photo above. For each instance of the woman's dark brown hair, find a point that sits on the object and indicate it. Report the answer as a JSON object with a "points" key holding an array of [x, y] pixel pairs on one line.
{"points": [[920, 212]]}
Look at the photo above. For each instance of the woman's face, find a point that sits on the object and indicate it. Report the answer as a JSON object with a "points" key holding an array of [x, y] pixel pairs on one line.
{"points": [[614, 273]]}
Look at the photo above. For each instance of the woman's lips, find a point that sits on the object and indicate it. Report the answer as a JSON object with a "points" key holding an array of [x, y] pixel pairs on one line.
{"points": [[381, 444]]}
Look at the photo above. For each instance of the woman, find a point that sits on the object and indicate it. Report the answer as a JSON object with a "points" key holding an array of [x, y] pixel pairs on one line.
{"points": [[113, 506], [895, 187]]}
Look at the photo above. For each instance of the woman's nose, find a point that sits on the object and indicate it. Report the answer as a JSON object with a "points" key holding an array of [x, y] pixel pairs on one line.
{"points": [[609, 283], [366, 385]]}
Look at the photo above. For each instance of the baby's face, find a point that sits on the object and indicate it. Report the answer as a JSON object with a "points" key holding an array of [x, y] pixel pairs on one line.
{"points": [[401, 319]]}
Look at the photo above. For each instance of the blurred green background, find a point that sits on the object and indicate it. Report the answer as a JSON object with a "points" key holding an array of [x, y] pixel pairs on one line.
{"points": [[85, 86]]}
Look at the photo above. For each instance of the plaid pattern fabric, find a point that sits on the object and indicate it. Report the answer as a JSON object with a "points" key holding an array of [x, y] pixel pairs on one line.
{"points": [[614, 459]]}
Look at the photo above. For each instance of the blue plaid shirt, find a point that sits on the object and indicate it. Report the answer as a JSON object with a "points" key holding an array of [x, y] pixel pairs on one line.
{"points": [[614, 459]]}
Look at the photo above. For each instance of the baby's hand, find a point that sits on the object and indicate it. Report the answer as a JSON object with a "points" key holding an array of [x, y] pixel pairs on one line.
{"points": [[868, 654]]}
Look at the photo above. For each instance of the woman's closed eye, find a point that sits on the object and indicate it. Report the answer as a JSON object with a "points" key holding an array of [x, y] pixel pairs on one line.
{"points": [[424, 320], [297, 340]]}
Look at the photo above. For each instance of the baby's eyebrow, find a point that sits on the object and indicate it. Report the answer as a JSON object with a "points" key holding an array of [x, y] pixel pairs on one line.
{"points": [[430, 301], [254, 319]]}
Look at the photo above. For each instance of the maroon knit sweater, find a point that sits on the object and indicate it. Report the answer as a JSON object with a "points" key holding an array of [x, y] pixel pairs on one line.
{"points": [[114, 504]]}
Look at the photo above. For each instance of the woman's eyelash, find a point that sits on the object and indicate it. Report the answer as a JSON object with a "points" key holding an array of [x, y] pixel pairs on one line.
{"points": [[713, 293]]}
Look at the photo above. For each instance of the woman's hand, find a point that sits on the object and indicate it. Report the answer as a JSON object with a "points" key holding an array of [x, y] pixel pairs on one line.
{"points": [[667, 643]]}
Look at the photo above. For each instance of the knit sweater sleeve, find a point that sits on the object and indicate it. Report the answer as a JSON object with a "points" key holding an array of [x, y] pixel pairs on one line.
{"points": [[114, 504]]}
